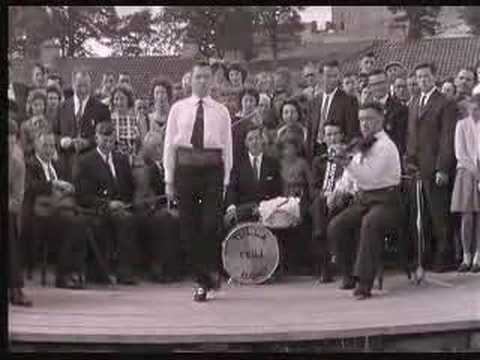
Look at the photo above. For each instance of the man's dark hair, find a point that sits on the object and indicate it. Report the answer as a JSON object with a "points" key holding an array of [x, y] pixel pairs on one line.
{"points": [[56, 89], [124, 73], [426, 65], [331, 123], [200, 63], [377, 72], [109, 72], [39, 66], [55, 77], [349, 74], [375, 105], [331, 63], [369, 54]]}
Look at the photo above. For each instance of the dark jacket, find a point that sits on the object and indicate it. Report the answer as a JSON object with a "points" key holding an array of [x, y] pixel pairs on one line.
{"points": [[243, 186], [431, 133], [396, 123], [94, 184], [343, 111]]}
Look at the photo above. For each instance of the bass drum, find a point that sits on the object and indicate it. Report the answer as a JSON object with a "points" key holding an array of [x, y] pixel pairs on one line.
{"points": [[250, 253]]}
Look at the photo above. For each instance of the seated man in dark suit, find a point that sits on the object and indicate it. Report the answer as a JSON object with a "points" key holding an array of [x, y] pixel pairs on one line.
{"points": [[254, 178], [157, 227], [104, 183], [40, 218]]}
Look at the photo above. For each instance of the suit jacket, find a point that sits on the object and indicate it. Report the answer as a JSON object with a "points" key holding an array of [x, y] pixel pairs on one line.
{"points": [[95, 185], [343, 111], [239, 133], [431, 133], [396, 123], [149, 181], [94, 113], [244, 188], [35, 179]]}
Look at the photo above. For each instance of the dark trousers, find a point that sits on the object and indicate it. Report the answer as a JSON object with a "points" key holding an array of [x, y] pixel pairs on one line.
{"points": [[62, 236], [15, 270], [437, 209], [115, 236], [200, 192], [358, 233], [158, 238]]}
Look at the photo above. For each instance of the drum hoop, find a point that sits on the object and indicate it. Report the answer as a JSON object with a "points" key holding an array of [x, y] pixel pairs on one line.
{"points": [[277, 249]]}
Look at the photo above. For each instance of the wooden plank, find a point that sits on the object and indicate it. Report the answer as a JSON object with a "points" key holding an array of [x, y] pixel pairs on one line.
{"points": [[291, 311]]}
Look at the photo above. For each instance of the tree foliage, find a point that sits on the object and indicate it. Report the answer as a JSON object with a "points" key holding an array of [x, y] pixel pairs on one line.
{"points": [[471, 16], [133, 35], [422, 20], [279, 24]]}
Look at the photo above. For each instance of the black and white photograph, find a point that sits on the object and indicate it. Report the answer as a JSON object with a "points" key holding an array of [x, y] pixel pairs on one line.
{"points": [[242, 179]]}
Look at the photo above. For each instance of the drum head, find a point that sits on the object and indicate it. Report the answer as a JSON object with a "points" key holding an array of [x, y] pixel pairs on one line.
{"points": [[250, 253]]}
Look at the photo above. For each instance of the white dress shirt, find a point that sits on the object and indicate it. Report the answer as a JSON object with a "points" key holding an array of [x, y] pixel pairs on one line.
{"points": [[46, 166], [259, 162], [427, 96], [326, 103], [217, 132], [109, 160], [76, 104], [378, 168]]}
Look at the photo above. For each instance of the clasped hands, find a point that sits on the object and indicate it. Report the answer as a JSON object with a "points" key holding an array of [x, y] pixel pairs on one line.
{"points": [[78, 143]]}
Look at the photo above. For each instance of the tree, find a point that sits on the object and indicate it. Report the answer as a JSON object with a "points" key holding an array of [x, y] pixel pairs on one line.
{"points": [[280, 25], [471, 16], [70, 26], [422, 20], [133, 35]]}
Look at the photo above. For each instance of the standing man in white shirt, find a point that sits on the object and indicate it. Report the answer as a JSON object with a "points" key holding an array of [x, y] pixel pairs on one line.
{"points": [[197, 161], [375, 169]]}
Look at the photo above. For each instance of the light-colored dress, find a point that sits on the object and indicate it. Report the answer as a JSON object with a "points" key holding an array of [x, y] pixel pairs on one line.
{"points": [[466, 195]]}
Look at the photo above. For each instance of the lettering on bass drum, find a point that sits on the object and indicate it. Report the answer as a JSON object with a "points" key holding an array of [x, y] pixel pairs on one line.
{"points": [[250, 253]]}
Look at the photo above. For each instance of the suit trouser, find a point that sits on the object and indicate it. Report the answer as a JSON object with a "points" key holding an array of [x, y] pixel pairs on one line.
{"points": [[15, 270], [158, 236], [200, 192], [438, 208], [65, 235], [116, 240], [374, 215]]}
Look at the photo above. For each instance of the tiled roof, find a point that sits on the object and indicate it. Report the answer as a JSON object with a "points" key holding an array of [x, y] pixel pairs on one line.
{"points": [[449, 54], [141, 69]]}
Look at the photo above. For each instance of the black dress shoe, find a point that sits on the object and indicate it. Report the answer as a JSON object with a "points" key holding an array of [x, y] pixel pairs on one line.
{"points": [[442, 268], [475, 268], [348, 283], [362, 293], [69, 282], [200, 294], [463, 267], [128, 280], [18, 298]]}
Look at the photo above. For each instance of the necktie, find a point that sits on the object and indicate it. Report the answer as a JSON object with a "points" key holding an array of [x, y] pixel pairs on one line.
{"points": [[78, 117], [323, 118], [197, 132], [423, 101], [51, 172], [255, 168]]}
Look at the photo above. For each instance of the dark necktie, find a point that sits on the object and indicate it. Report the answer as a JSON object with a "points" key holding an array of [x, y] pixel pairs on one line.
{"points": [[197, 132], [78, 117]]}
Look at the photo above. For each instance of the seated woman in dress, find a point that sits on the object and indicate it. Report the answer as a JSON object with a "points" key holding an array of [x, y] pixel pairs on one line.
{"points": [[37, 121]]}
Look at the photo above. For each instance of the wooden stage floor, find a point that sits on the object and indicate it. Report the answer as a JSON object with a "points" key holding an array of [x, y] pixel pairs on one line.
{"points": [[292, 310]]}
